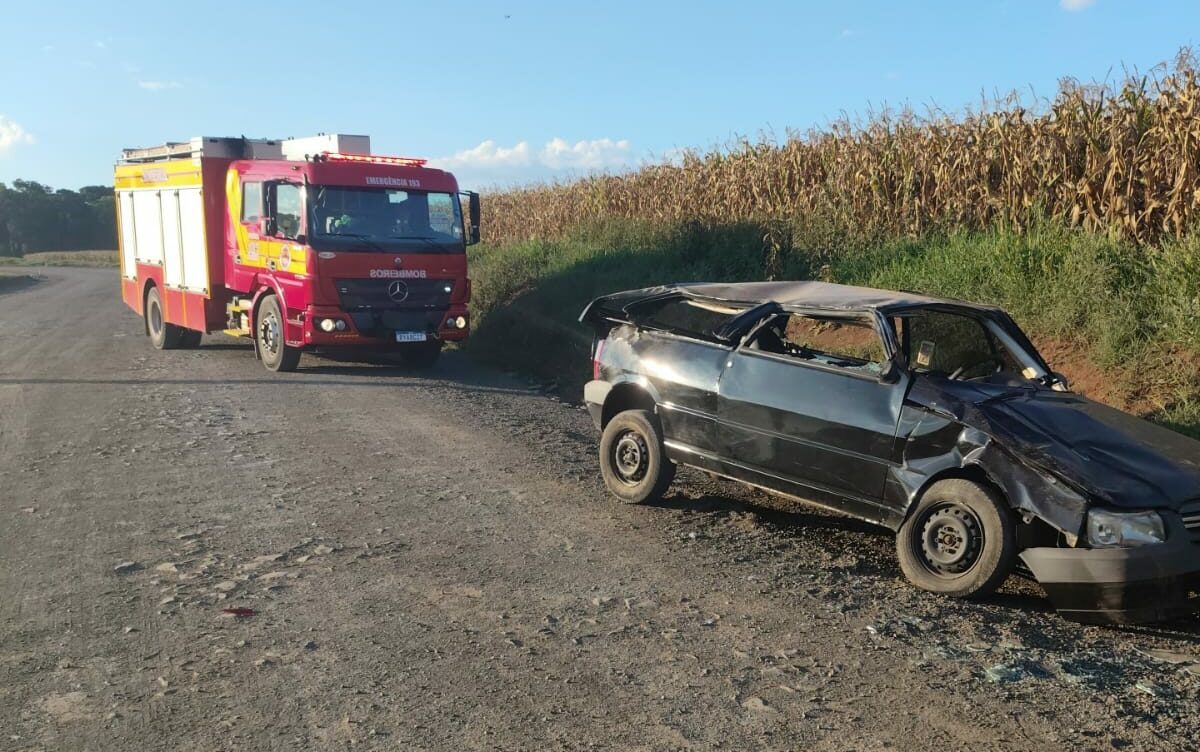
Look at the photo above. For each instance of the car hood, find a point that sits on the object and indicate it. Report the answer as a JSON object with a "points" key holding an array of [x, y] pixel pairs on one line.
{"points": [[1118, 459]]}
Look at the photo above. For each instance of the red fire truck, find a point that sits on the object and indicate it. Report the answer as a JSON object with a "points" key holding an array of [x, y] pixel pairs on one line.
{"points": [[307, 244]]}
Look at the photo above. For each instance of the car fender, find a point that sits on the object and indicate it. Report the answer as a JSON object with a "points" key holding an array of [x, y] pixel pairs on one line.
{"points": [[939, 446], [625, 392]]}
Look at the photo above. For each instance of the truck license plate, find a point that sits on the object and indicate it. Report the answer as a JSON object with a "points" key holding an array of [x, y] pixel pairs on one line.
{"points": [[410, 336]]}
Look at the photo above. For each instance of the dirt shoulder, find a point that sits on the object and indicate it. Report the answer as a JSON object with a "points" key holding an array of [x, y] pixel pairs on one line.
{"points": [[431, 562]]}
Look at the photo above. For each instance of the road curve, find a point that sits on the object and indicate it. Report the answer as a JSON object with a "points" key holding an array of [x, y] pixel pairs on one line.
{"points": [[430, 563]]}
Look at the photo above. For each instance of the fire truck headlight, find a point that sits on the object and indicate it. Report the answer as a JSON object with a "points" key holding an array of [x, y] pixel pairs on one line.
{"points": [[461, 322], [328, 325]]}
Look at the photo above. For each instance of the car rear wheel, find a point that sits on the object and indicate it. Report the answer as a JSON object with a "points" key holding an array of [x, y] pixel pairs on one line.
{"points": [[633, 460], [163, 336], [959, 541], [276, 354]]}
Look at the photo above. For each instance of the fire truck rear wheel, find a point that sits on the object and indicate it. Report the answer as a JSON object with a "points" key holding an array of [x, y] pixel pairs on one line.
{"points": [[276, 354], [163, 336]]}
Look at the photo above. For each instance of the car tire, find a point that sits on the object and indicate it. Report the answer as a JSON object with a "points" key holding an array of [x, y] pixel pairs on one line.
{"points": [[276, 354], [633, 459], [163, 335], [421, 356], [958, 541]]}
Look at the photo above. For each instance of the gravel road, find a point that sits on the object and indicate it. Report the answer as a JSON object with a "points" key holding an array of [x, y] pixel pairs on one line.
{"points": [[431, 563]]}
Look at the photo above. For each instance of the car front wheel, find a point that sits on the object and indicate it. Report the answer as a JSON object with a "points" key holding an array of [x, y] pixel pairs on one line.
{"points": [[633, 459], [959, 541]]}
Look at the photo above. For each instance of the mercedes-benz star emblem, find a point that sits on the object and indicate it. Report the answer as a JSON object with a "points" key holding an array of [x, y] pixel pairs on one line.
{"points": [[398, 291]]}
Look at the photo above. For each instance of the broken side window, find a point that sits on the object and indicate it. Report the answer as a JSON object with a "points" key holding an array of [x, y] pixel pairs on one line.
{"points": [[850, 343]]}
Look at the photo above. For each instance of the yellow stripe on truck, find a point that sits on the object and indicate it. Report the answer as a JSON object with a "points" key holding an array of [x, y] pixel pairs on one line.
{"points": [[260, 253], [175, 174]]}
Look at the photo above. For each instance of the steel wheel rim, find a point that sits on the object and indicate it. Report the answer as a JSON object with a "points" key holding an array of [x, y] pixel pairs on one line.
{"points": [[631, 457], [951, 539], [268, 332], [156, 321]]}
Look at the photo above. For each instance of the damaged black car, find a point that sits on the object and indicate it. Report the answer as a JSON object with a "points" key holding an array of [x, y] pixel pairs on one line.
{"points": [[936, 418]]}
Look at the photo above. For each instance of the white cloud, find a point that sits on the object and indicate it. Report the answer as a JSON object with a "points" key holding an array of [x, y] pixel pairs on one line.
{"points": [[492, 163], [12, 134], [159, 85], [597, 154], [1075, 5], [488, 155]]}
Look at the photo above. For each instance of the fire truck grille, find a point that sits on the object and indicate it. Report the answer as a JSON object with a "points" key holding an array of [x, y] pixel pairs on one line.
{"points": [[394, 294]]}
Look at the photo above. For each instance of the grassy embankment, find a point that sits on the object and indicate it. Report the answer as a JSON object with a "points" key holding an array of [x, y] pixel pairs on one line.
{"points": [[1119, 320], [62, 258]]}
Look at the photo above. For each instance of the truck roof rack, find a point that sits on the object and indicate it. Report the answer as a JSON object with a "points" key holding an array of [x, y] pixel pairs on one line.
{"points": [[205, 146]]}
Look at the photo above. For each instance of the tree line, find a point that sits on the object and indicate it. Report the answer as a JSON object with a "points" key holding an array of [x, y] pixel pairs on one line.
{"points": [[36, 217]]}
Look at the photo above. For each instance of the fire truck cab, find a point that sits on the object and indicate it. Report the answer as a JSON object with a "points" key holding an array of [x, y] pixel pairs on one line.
{"points": [[308, 244]]}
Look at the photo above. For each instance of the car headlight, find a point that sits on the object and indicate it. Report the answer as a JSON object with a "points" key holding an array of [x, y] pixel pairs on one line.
{"points": [[1107, 529]]}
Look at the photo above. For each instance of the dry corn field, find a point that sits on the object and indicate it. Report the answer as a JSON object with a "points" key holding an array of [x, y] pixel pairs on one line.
{"points": [[1118, 158]]}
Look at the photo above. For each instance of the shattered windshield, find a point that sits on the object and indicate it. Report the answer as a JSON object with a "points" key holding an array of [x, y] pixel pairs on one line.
{"points": [[961, 347], [351, 218]]}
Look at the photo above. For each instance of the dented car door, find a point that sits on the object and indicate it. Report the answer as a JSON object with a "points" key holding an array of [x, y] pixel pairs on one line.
{"points": [[817, 418]]}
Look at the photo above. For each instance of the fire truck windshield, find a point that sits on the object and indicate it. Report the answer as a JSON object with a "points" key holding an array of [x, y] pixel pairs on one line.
{"points": [[346, 218]]}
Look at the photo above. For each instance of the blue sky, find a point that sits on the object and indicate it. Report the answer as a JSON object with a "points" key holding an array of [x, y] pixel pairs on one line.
{"points": [[515, 91]]}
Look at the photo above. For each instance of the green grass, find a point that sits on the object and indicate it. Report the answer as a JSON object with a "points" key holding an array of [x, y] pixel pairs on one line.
{"points": [[1131, 313], [64, 258]]}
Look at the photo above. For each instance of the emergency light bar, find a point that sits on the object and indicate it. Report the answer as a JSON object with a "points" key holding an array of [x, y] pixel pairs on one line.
{"points": [[405, 161]]}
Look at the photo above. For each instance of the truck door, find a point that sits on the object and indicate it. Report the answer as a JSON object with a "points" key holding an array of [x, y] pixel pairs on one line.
{"points": [[802, 405]]}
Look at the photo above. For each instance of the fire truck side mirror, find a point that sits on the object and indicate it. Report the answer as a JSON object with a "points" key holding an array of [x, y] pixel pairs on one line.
{"points": [[266, 227], [474, 210]]}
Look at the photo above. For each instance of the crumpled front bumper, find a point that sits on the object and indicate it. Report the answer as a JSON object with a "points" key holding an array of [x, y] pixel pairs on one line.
{"points": [[1122, 585]]}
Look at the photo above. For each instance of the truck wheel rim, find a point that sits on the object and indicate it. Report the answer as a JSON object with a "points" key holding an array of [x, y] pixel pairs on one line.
{"points": [[630, 457], [269, 333], [951, 539], [155, 317]]}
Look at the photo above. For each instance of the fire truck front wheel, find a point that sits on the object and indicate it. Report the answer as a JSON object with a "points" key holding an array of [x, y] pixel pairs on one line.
{"points": [[163, 336], [268, 332]]}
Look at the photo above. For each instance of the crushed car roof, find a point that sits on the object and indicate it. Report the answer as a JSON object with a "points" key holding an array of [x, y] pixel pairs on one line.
{"points": [[811, 294]]}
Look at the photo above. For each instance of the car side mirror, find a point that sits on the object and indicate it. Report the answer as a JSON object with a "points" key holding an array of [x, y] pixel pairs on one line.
{"points": [[1059, 382], [267, 227], [889, 373]]}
